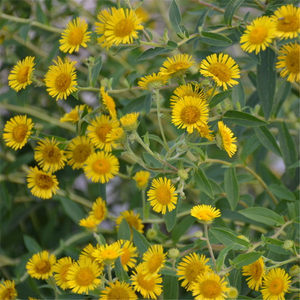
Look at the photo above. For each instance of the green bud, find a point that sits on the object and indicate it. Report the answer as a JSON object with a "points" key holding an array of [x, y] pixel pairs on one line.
{"points": [[295, 270], [242, 237], [232, 293], [183, 174], [288, 244], [173, 253], [198, 234], [151, 234]]}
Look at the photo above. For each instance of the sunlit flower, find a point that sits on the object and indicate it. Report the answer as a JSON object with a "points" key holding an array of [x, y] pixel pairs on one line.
{"points": [[87, 251], [142, 178], [17, 131], [116, 135], [107, 253], [176, 65], [8, 290], [205, 132], [74, 115], [129, 121], [109, 103], [153, 81], [256, 272], [132, 219], [99, 210], [142, 14], [128, 257], [189, 89], [74, 36], [221, 68], [232, 293], [205, 213], [60, 269], [21, 74], [228, 139], [90, 222], [154, 259], [118, 291]]}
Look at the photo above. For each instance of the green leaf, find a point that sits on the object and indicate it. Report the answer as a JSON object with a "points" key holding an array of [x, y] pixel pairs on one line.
{"points": [[243, 119], [72, 209], [120, 272], [215, 39], [203, 184], [231, 187], [262, 215], [124, 232], [171, 216], [246, 259], [282, 92], [180, 229], [230, 10], [238, 95], [152, 52], [140, 241], [282, 192], [221, 257], [175, 17], [266, 80], [40, 16], [170, 284], [96, 70], [219, 98], [267, 139], [31, 244]]}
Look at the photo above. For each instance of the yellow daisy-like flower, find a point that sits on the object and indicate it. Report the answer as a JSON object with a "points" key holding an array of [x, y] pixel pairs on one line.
{"points": [[256, 272], [117, 26], [142, 14], [79, 149], [189, 89], [98, 130], [21, 74], [109, 103], [128, 256], [132, 219], [205, 213], [87, 251], [74, 115], [209, 286], [116, 135], [40, 265], [148, 286], [83, 276], [190, 267], [8, 290], [287, 20], [190, 112], [153, 81], [289, 62], [142, 178], [227, 139], [258, 35], [60, 79], [118, 291], [275, 284], [42, 184], [17, 131], [176, 65], [107, 253], [99, 210], [129, 121], [61, 269], [154, 259], [49, 156], [162, 195], [101, 167], [221, 68], [90, 222], [205, 132], [74, 36]]}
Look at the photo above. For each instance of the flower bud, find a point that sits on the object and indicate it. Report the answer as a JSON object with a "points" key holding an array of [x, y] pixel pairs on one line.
{"points": [[232, 293], [173, 253], [288, 244], [242, 237], [183, 174], [151, 234], [295, 270]]}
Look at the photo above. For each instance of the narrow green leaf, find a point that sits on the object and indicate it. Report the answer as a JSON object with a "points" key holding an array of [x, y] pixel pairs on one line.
{"points": [[282, 192], [215, 39], [246, 259], [96, 70], [231, 187], [72, 209], [267, 139], [121, 274], [282, 93], [238, 95], [266, 80], [170, 284], [31, 244], [175, 16], [243, 119], [124, 232], [23, 31], [262, 215], [180, 229], [170, 217], [152, 52], [203, 184], [221, 257], [230, 10], [140, 241], [40, 16], [219, 98]]}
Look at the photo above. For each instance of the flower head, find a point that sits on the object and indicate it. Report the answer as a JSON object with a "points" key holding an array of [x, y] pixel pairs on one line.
{"points": [[107, 253], [228, 140], [90, 222], [205, 132], [99, 210], [74, 36], [109, 103], [132, 219], [128, 257], [189, 89], [129, 121], [154, 259], [176, 65], [221, 68], [256, 272], [74, 115], [118, 290], [205, 213], [17, 131], [8, 290], [141, 178], [21, 74], [61, 269], [153, 81]]}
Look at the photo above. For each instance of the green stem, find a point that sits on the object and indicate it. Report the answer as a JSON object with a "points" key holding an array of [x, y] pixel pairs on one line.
{"points": [[212, 93], [281, 263], [109, 273], [209, 245], [145, 206]]}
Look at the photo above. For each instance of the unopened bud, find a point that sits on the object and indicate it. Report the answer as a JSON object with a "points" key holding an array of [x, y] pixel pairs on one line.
{"points": [[183, 174], [294, 270], [232, 293], [173, 253], [198, 234], [151, 234], [242, 237], [288, 244]]}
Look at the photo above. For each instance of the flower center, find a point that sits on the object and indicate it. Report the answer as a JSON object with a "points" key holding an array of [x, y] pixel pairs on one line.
{"points": [[109, 254], [52, 154], [102, 131], [8, 294], [132, 222], [258, 35], [256, 271], [147, 285], [163, 194], [288, 23], [62, 82], [293, 62], [64, 271], [190, 114], [125, 256], [19, 132], [117, 293], [205, 215], [84, 277], [44, 181], [210, 289], [75, 36], [155, 262], [123, 28], [221, 71], [276, 286], [99, 212], [42, 267], [101, 166], [22, 75], [81, 153], [176, 67], [193, 270]]}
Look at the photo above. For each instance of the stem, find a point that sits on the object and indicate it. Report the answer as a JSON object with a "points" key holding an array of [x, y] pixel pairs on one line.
{"points": [[109, 273], [209, 245], [212, 93], [145, 206], [281, 263]]}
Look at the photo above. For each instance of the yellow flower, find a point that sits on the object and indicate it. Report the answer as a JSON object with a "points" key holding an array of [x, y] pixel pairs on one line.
{"points": [[83, 276], [227, 139], [287, 20], [109, 103], [128, 256], [129, 121], [142, 14], [289, 61], [42, 184], [98, 130], [21, 74], [17, 131], [190, 112], [205, 213], [117, 26], [61, 269], [40, 265], [132, 219], [162, 195], [258, 35], [115, 135], [90, 222], [87, 252], [176, 65], [141, 178], [189, 89], [118, 290], [60, 79], [74, 36], [74, 115], [79, 149], [209, 286], [8, 290], [148, 286], [99, 210], [154, 259], [205, 132], [107, 253], [153, 81], [232, 293], [190, 267], [256, 272], [49, 156], [101, 167], [275, 284], [221, 68]]}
